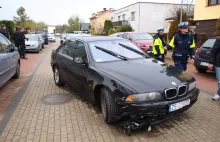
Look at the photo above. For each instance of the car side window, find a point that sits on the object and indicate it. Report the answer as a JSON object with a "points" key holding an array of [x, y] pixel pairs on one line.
{"points": [[1, 49], [4, 43], [79, 50], [68, 48]]}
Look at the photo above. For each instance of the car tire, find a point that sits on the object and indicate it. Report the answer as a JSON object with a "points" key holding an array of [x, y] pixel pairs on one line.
{"points": [[57, 78], [17, 73], [43, 46], [201, 70], [108, 106]]}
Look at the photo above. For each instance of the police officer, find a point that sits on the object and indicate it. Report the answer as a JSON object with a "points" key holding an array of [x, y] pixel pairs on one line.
{"points": [[16, 37], [4, 31], [183, 45], [159, 45], [22, 43]]}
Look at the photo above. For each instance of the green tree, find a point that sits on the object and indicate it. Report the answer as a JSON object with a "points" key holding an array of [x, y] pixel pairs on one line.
{"points": [[30, 24], [22, 17], [174, 29], [108, 25], [218, 27], [125, 28], [111, 31], [41, 25], [74, 23]]}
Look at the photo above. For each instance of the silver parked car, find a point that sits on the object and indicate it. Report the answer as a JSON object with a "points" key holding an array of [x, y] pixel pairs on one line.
{"points": [[33, 44], [9, 61], [41, 40]]}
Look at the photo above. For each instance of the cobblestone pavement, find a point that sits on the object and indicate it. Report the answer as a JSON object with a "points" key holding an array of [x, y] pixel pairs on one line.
{"points": [[77, 120]]}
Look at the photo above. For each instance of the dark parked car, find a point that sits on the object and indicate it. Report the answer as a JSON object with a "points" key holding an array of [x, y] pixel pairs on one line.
{"points": [[9, 61], [45, 36], [115, 74], [202, 55]]}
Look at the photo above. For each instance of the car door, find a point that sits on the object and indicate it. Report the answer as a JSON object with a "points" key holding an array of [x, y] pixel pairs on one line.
{"points": [[64, 61], [13, 55], [79, 73], [4, 64]]}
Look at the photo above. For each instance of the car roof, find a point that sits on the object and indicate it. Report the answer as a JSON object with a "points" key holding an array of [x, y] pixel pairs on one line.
{"points": [[217, 37], [137, 32], [96, 38]]}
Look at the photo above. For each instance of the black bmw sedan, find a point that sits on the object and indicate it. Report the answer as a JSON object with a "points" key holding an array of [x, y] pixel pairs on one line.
{"points": [[125, 82]]}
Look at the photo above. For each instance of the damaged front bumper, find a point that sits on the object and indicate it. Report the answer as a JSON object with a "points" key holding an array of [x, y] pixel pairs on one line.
{"points": [[137, 115]]}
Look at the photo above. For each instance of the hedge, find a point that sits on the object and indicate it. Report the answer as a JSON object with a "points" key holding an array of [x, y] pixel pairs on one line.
{"points": [[9, 25]]}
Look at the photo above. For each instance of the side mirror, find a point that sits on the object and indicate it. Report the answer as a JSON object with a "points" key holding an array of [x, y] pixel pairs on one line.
{"points": [[78, 60], [11, 48], [129, 39]]}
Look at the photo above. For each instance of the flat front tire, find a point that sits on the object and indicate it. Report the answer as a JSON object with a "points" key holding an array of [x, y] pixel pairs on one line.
{"points": [[57, 78], [108, 106]]}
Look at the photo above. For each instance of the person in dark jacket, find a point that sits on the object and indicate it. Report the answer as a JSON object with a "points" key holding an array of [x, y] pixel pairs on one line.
{"points": [[16, 37], [183, 45], [22, 43], [4, 31], [215, 61]]}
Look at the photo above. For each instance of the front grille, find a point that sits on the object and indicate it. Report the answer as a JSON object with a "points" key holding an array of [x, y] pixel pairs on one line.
{"points": [[27, 45], [182, 90], [171, 93], [174, 92]]}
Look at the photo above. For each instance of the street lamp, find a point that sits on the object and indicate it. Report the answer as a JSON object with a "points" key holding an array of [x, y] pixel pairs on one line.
{"points": [[181, 12]]}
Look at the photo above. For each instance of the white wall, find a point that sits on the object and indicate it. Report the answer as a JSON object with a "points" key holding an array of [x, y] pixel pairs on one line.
{"points": [[152, 16], [127, 11]]}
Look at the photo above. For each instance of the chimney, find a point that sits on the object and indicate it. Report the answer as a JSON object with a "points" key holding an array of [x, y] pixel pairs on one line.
{"points": [[104, 9]]}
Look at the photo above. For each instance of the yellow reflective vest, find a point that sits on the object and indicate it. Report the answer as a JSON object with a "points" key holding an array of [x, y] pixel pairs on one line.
{"points": [[157, 42]]}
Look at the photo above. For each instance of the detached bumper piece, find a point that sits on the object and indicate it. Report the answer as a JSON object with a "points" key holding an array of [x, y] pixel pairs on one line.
{"points": [[137, 116]]}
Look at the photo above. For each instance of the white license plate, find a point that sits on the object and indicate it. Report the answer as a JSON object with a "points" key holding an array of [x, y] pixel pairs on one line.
{"points": [[27, 48], [176, 106], [204, 64]]}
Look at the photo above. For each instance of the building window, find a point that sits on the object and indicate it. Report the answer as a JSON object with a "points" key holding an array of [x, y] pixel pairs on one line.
{"points": [[119, 18], [132, 16], [123, 17], [213, 2]]}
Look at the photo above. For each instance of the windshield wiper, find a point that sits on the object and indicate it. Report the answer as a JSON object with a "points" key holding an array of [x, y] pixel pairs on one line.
{"points": [[112, 53], [134, 50]]}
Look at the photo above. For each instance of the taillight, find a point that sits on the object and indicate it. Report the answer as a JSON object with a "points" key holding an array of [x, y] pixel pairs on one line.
{"points": [[197, 51]]}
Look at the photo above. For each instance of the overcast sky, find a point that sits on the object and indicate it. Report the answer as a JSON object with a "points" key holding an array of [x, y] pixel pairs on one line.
{"points": [[56, 12]]}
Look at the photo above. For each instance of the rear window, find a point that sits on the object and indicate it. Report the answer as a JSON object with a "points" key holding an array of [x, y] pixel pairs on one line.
{"points": [[209, 43]]}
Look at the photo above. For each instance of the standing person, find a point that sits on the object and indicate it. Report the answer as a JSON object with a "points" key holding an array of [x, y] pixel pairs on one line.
{"points": [[183, 45], [104, 33], [194, 36], [159, 45], [215, 61], [4, 31], [16, 37], [22, 43]]}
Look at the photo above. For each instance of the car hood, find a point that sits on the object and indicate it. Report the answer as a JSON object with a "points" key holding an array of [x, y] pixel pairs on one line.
{"points": [[144, 42], [31, 42], [145, 75]]}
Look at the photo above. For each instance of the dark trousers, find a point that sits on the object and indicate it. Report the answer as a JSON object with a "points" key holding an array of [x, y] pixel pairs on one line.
{"points": [[181, 65], [159, 59], [22, 48]]}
